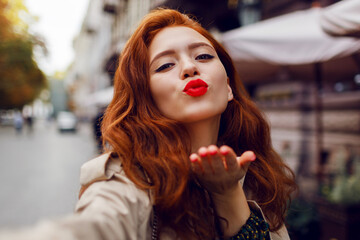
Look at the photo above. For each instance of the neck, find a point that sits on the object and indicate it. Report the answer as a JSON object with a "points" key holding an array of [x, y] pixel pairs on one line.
{"points": [[203, 133]]}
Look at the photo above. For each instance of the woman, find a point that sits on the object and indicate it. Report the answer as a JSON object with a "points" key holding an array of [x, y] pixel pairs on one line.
{"points": [[177, 97], [178, 121]]}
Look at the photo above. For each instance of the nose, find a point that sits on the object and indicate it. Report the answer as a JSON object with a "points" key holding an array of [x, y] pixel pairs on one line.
{"points": [[189, 69]]}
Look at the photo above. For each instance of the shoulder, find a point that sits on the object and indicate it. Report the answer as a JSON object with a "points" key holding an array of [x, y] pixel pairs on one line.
{"points": [[101, 168], [103, 181], [105, 173]]}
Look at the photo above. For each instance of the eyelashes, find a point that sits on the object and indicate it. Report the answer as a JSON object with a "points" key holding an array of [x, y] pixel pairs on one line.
{"points": [[199, 57], [165, 66], [204, 57]]}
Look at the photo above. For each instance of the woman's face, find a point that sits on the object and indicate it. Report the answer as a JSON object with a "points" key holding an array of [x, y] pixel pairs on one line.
{"points": [[188, 82]]}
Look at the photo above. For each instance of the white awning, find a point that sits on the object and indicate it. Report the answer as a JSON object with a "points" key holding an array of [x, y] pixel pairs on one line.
{"points": [[295, 41], [342, 18]]}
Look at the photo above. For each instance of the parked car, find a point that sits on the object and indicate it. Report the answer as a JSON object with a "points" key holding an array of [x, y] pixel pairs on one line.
{"points": [[66, 121], [6, 119]]}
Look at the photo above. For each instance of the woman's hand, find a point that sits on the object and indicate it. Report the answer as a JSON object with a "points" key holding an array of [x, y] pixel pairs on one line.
{"points": [[219, 169]]}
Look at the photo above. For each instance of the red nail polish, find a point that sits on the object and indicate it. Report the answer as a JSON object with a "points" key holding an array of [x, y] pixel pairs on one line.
{"points": [[224, 151], [193, 158], [213, 152], [203, 154]]}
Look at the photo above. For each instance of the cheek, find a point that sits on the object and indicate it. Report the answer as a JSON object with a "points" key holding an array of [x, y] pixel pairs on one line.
{"points": [[217, 68], [156, 92], [221, 86], [220, 76], [161, 91]]}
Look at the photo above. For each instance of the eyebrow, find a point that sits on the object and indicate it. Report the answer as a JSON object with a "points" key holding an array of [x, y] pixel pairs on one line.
{"points": [[190, 47]]}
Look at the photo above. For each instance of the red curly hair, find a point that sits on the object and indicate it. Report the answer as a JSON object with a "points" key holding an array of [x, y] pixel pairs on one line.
{"points": [[134, 128]]}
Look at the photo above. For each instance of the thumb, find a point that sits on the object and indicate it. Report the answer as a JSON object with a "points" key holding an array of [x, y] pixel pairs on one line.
{"points": [[245, 159]]}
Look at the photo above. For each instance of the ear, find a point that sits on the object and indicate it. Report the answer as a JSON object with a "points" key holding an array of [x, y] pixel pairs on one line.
{"points": [[230, 93]]}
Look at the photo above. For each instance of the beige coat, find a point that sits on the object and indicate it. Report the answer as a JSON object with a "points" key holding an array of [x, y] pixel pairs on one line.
{"points": [[111, 207]]}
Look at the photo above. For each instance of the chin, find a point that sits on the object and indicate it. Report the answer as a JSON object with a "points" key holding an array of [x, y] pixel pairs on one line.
{"points": [[201, 116]]}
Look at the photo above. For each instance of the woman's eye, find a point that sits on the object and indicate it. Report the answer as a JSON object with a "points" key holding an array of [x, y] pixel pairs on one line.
{"points": [[204, 57], [163, 67]]}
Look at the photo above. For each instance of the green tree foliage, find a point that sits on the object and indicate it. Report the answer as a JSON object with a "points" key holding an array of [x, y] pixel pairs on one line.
{"points": [[21, 80]]}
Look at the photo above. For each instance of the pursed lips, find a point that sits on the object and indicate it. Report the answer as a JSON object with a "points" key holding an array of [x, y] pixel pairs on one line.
{"points": [[196, 88]]}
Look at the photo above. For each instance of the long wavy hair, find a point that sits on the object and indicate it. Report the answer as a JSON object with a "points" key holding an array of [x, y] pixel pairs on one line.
{"points": [[134, 129]]}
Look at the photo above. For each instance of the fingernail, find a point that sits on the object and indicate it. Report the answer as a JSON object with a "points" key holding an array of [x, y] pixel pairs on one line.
{"points": [[253, 157], [203, 152], [212, 152], [224, 151], [193, 157]]}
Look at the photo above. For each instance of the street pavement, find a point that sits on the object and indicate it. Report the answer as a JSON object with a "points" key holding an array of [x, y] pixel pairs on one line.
{"points": [[39, 172]]}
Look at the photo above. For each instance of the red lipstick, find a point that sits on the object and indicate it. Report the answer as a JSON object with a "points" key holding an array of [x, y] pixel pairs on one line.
{"points": [[196, 88]]}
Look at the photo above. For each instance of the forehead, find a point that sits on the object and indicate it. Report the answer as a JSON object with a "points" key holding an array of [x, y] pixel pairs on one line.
{"points": [[172, 37]]}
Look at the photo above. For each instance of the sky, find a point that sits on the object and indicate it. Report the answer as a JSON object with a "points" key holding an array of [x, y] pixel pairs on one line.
{"points": [[59, 22]]}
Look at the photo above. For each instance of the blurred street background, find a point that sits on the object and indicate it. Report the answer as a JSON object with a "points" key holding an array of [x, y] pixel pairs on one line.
{"points": [[39, 171], [298, 59]]}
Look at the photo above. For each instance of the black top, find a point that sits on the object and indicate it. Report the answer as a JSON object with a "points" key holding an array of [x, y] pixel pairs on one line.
{"points": [[254, 228]]}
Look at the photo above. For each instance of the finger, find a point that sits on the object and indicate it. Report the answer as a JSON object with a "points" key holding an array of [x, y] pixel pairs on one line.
{"points": [[216, 160], [204, 160], [195, 164], [230, 157], [246, 158]]}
